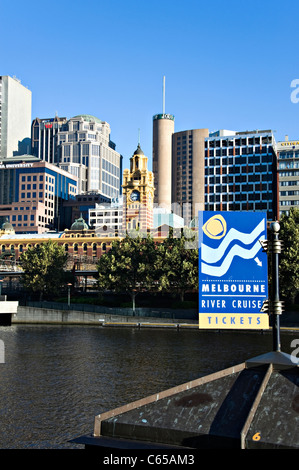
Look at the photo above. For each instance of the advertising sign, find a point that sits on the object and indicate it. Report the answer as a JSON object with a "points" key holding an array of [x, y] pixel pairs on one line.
{"points": [[233, 273]]}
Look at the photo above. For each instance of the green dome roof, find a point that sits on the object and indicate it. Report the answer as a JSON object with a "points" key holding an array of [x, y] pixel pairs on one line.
{"points": [[88, 117], [7, 227], [79, 224]]}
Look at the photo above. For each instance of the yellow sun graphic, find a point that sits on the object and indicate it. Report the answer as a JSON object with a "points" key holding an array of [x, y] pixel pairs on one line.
{"points": [[215, 227]]}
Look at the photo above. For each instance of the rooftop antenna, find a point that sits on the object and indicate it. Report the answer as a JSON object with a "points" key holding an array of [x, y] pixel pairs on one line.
{"points": [[164, 94], [138, 137]]}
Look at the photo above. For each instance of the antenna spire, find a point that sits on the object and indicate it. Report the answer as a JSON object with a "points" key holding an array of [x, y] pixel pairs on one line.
{"points": [[164, 94]]}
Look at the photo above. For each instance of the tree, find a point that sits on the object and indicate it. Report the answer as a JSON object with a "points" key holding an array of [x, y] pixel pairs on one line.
{"points": [[129, 266], [178, 263], [43, 268], [289, 258]]}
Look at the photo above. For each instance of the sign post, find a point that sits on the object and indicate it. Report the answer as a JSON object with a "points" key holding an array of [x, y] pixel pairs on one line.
{"points": [[233, 270]]}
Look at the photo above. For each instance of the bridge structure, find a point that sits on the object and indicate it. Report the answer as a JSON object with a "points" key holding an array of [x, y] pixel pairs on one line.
{"points": [[84, 268]]}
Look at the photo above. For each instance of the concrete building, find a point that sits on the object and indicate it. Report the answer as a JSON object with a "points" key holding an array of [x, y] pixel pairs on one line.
{"points": [[15, 117], [80, 206], [107, 219], [82, 147], [288, 171], [31, 193], [163, 129], [188, 172]]}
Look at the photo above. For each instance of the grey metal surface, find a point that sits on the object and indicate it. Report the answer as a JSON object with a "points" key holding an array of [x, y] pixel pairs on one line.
{"points": [[276, 424], [208, 416]]}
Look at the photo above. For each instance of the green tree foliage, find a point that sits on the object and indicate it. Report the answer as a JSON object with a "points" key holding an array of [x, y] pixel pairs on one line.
{"points": [[289, 258], [128, 266], [139, 264], [178, 263], [43, 267]]}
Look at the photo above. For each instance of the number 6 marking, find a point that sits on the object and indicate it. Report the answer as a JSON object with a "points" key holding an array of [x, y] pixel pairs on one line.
{"points": [[256, 437]]}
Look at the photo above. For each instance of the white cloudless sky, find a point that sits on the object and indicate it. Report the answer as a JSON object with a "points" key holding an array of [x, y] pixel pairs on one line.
{"points": [[228, 64]]}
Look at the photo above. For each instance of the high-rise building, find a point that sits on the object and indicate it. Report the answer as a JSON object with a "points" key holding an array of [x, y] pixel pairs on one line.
{"points": [[15, 117], [241, 172], [288, 171], [32, 192], [163, 129], [224, 170], [44, 137], [188, 172], [82, 147]]}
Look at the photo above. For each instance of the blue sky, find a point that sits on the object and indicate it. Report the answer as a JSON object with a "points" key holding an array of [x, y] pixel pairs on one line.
{"points": [[228, 65]]}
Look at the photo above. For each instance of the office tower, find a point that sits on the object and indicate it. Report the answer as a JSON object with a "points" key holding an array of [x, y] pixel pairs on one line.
{"points": [[241, 172], [44, 133], [15, 117], [188, 172], [82, 147], [32, 192], [163, 128], [138, 194], [288, 171]]}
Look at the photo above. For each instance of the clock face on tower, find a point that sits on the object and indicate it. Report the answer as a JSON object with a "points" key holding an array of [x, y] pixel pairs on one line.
{"points": [[135, 196]]}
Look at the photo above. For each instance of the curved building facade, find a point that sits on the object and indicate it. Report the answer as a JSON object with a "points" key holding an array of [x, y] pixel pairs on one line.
{"points": [[163, 129]]}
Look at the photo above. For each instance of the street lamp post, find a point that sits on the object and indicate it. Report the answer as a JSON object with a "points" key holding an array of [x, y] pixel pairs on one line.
{"points": [[276, 304], [69, 294]]}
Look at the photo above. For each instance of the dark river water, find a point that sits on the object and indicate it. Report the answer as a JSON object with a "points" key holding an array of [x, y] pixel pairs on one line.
{"points": [[55, 379]]}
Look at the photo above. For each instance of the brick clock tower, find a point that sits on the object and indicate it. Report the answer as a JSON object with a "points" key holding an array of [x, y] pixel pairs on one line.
{"points": [[138, 194]]}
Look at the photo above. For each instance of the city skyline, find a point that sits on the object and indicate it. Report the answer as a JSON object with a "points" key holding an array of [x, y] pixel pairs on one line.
{"points": [[226, 67]]}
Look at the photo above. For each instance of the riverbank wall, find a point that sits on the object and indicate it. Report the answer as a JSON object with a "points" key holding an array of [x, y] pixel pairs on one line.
{"points": [[61, 314], [106, 317]]}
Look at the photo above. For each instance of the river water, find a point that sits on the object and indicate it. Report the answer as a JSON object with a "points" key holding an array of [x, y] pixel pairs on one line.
{"points": [[55, 379]]}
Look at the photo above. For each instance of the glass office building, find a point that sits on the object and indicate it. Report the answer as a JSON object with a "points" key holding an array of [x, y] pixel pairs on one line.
{"points": [[241, 172]]}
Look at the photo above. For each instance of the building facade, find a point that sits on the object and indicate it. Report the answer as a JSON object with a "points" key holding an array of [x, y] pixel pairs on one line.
{"points": [[82, 147], [80, 206], [107, 219], [188, 172], [163, 129], [241, 172], [31, 193], [288, 170], [138, 194], [44, 138], [15, 117]]}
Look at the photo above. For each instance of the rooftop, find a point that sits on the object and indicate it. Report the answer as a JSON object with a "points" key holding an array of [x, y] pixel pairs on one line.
{"points": [[88, 117]]}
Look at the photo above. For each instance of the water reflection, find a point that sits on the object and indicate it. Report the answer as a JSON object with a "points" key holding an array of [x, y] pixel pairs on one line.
{"points": [[57, 378]]}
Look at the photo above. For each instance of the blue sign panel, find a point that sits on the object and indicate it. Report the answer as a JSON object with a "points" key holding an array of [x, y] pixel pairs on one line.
{"points": [[233, 273]]}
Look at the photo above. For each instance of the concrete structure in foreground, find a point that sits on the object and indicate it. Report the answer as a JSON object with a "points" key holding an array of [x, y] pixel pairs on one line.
{"points": [[248, 406], [7, 310]]}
